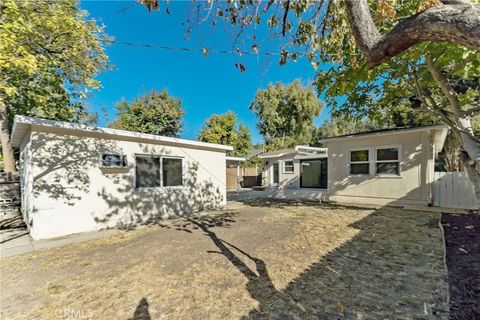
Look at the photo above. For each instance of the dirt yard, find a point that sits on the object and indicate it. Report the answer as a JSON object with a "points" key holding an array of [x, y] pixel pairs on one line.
{"points": [[261, 260]]}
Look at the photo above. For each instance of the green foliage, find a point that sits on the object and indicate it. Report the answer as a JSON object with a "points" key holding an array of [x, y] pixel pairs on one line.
{"points": [[343, 126], [285, 114], [50, 53], [223, 129], [154, 113]]}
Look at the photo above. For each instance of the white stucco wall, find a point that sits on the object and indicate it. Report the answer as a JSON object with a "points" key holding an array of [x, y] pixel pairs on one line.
{"points": [[411, 187], [287, 180], [72, 193]]}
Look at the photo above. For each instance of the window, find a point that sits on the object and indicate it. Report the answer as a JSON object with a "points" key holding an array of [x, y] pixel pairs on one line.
{"points": [[147, 172], [313, 173], [172, 169], [113, 160], [359, 162], [156, 171], [288, 166], [387, 161]]}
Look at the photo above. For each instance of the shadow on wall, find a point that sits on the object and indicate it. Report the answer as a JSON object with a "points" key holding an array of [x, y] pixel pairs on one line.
{"points": [[129, 207], [61, 164], [68, 169]]}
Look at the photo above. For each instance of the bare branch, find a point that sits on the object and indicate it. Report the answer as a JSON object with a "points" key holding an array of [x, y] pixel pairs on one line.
{"points": [[470, 112], [284, 26], [457, 23]]}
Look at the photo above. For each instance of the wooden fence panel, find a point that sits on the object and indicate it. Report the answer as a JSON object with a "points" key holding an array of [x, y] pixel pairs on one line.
{"points": [[454, 190]]}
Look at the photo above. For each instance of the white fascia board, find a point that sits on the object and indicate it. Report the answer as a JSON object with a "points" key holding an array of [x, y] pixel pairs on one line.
{"points": [[382, 133], [20, 122]]}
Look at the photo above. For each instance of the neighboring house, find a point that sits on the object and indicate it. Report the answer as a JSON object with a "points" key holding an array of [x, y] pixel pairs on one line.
{"points": [[394, 166], [78, 178], [301, 167]]}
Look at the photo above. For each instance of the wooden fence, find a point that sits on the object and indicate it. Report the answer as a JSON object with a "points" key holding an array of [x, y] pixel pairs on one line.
{"points": [[248, 177], [454, 190]]}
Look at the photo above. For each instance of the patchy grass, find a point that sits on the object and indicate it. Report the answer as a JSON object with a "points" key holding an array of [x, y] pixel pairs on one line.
{"points": [[262, 260]]}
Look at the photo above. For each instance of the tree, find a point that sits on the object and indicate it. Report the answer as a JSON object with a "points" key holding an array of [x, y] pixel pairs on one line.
{"points": [[381, 53], [50, 53], [154, 113], [223, 129], [285, 114]]}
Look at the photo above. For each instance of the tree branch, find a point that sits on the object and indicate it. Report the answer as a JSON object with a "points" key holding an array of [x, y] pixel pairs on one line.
{"points": [[457, 22], [442, 82], [284, 26]]}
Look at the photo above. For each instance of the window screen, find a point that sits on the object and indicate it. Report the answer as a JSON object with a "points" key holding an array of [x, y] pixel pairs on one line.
{"points": [[387, 161], [288, 166], [359, 162], [147, 171], [172, 172]]}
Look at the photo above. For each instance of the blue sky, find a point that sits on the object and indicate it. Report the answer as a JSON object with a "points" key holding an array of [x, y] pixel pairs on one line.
{"points": [[206, 85]]}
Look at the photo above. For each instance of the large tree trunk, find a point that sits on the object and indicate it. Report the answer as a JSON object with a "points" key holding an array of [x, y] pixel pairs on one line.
{"points": [[455, 21], [7, 150]]}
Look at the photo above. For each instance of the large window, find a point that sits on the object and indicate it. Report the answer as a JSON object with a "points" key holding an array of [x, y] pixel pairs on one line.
{"points": [[313, 173], [387, 161], [172, 169], [148, 169], [359, 162], [288, 166]]}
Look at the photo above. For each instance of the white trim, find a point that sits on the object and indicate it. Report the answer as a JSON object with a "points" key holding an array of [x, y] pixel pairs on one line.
{"points": [[368, 149], [229, 158], [22, 124], [284, 171], [161, 186], [384, 133], [399, 160]]}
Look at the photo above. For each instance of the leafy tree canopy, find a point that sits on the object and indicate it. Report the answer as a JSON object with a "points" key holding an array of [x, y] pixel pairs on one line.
{"points": [[285, 114], [50, 53], [154, 113], [223, 129]]}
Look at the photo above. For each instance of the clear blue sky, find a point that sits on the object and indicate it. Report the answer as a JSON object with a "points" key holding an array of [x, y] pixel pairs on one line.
{"points": [[206, 85]]}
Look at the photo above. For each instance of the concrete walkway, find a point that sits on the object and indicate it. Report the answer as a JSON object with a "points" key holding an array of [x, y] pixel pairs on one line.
{"points": [[18, 241]]}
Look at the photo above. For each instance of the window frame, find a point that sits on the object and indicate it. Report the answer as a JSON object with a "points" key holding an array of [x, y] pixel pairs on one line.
{"points": [[368, 149], [161, 157], [323, 159], [399, 160], [123, 157], [285, 166]]}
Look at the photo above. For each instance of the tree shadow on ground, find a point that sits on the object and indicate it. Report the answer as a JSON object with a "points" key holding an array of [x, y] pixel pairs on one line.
{"points": [[141, 312], [392, 267]]}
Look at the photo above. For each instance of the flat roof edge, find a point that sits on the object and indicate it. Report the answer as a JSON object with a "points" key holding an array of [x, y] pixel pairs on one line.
{"points": [[31, 121], [382, 133]]}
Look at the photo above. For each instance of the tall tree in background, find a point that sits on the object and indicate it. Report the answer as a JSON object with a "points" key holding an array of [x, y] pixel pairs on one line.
{"points": [[379, 53], [223, 129], [285, 114], [154, 113], [50, 53]]}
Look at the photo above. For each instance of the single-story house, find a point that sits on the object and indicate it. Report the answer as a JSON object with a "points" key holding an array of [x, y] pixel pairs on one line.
{"points": [[77, 178], [392, 166]]}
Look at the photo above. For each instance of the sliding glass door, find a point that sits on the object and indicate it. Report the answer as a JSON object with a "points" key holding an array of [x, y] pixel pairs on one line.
{"points": [[314, 173]]}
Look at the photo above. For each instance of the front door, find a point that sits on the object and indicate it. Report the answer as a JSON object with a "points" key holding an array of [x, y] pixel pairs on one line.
{"points": [[275, 174]]}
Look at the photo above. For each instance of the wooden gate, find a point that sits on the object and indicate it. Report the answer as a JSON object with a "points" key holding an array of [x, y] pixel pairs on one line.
{"points": [[454, 190], [232, 180]]}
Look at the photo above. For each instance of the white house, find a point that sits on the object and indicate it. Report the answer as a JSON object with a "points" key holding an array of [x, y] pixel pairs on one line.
{"points": [[78, 178], [394, 166]]}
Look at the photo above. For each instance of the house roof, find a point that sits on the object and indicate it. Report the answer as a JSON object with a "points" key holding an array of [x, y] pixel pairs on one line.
{"points": [[22, 126], [302, 150], [439, 134], [255, 152]]}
